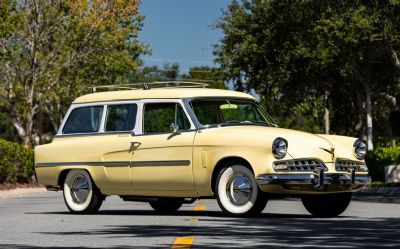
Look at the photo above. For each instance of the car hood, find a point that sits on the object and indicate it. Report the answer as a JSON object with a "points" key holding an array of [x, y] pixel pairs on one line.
{"points": [[300, 144]]}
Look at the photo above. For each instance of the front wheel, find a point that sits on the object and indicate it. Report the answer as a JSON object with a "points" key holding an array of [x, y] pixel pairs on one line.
{"points": [[166, 205], [326, 205], [238, 193], [80, 194]]}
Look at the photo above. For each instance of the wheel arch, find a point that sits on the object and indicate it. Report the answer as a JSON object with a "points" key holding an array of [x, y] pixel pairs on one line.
{"points": [[63, 174], [224, 162], [61, 177]]}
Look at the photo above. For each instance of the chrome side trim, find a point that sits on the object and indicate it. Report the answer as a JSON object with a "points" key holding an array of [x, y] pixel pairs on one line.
{"points": [[160, 163], [118, 163], [92, 134], [110, 163]]}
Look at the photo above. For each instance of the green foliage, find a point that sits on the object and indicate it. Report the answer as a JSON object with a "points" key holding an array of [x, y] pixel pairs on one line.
{"points": [[294, 52], [167, 72], [304, 116], [52, 51], [213, 76], [16, 162], [170, 72], [384, 185], [379, 158]]}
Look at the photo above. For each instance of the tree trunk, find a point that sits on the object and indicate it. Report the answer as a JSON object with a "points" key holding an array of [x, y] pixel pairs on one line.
{"points": [[370, 144], [392, 53], [326, 115], [368, 110]]}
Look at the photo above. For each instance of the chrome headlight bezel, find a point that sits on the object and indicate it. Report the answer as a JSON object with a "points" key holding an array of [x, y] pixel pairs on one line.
{"points": [[360, 149], [279, 148]]}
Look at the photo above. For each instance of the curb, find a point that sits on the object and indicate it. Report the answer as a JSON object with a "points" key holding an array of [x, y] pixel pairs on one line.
{"points": [[18, 192], [380, 190]]}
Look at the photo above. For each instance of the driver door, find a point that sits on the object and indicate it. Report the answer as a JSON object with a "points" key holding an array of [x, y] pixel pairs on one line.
{"points": [[162, 158]]}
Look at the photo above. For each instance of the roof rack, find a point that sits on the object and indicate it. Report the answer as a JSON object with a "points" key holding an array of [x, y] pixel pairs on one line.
{"points": [[150, 85]]}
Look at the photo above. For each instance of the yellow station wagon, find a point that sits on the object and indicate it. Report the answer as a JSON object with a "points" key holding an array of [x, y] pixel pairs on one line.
{"points": [[172, 145]]}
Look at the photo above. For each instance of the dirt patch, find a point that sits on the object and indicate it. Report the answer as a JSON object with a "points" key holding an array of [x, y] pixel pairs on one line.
{"points": [[8, 186]]}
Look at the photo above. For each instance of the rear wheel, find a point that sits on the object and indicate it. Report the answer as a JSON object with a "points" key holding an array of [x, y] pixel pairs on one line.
{"points": [[166, 205], [238, 193], [80, 194], [326, 205]]}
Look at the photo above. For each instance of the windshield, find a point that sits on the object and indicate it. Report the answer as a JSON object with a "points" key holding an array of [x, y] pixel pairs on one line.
{"points": [[229, 112]]}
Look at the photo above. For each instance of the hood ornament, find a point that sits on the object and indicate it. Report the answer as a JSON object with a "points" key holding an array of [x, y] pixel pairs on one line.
{"points": [[330, 151]]}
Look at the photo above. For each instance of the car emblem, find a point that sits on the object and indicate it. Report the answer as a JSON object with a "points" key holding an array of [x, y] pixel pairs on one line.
{"points": [[330, 151]]}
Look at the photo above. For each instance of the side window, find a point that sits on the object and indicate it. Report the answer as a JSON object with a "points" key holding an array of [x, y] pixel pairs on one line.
{"points": [[84, 120], [121, 117], [158, 117]]}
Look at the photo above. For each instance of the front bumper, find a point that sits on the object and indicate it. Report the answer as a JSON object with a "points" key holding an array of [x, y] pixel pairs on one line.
{"points": [[317, 181]]}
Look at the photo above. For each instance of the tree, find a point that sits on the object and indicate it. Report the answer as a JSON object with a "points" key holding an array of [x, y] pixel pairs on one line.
{"points": [[168, 72], [51, 51], [291, 52], [212, 76]]}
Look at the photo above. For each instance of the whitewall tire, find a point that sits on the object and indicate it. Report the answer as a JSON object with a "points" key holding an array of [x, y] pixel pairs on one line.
{"points": [[238, 193], [80, 193]]}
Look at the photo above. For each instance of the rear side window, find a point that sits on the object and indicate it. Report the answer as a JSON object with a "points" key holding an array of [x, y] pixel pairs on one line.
{"points": [[158, 117], [84, 120], [121, 117]]}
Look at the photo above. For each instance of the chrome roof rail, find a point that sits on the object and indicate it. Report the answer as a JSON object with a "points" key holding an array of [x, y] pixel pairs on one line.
{"points": [[151, 85]]}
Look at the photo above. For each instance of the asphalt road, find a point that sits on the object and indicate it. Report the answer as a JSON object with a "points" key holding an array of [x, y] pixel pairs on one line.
{"points": [[41, 220]]}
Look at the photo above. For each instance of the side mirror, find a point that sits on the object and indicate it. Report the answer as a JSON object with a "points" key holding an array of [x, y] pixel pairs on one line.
{"points": [[173, 128], [133, 133]]}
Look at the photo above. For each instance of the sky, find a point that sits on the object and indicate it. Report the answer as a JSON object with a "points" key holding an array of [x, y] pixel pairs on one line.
{"points": [[181, 31]]}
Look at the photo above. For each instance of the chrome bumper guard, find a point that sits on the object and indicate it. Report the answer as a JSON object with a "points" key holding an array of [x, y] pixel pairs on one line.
{"points": [[317, 180]]}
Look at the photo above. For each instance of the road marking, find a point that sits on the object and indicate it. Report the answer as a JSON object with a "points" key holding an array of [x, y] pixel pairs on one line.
{"points": [[199, 208], [193, 220], [182, 242]]}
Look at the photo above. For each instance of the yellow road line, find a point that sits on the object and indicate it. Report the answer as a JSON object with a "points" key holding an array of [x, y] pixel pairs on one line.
{"points": [[193, 220], [182, 242], [199, 208]]}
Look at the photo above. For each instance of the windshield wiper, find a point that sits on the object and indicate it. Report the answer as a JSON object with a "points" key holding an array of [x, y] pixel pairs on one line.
{"points": [[265, 123], [231, 123]]}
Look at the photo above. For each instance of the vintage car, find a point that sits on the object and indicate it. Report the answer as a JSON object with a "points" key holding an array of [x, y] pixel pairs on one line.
{"points": [[169, 146]]}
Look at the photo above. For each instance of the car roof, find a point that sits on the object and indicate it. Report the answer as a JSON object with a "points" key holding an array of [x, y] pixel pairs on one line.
{"points": [[159, 93]]}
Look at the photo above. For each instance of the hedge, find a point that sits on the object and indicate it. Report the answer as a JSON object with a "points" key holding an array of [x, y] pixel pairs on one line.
{"points": [[379, 158], [16, 162]]}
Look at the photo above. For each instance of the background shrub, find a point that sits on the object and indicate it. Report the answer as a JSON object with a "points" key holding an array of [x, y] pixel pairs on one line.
{"points": [[16, 162], [379, 158]]}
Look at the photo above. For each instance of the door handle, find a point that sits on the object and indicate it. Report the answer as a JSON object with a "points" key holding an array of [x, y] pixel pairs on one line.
{"points": [[134, 146]]}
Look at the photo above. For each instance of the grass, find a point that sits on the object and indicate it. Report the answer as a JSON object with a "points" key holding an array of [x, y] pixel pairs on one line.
{"points": [[386, 185]]}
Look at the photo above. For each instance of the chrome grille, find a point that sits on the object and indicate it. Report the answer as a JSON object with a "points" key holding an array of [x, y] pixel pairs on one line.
{"points": [[300, 165], [346, 165]]}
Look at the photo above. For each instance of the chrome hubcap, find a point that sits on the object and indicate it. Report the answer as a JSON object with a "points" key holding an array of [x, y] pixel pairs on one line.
{"points": [[239, 189], [80, 189]]}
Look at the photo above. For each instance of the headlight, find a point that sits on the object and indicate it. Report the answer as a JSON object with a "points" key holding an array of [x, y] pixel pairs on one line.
{"points": [[360, 149], [279, 148]]}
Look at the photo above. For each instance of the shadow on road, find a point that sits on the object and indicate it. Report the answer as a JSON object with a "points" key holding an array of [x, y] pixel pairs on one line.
{"points": [[177, 214], [276, 230], [13, 246]]}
